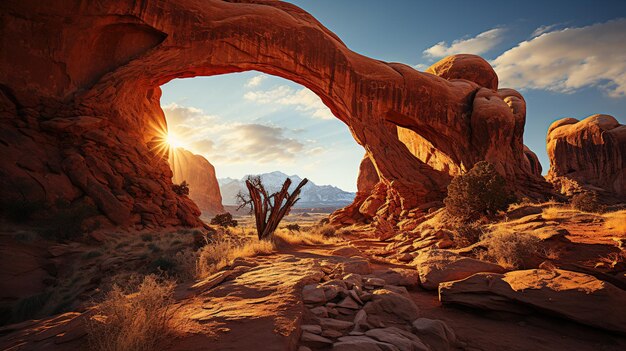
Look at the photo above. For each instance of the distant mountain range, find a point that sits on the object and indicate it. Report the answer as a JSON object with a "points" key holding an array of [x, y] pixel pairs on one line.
{"points": [[312, 195]]}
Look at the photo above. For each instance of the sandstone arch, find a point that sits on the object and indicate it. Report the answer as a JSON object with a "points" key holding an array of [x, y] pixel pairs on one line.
{"points": [[76, 130]]}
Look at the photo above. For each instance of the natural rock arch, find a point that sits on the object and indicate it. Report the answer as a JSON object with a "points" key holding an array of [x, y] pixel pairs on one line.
{"points": [[81, 93]]}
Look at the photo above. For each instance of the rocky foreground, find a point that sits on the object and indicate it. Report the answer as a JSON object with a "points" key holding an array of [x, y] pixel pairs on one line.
{"points": [[355, 294]]}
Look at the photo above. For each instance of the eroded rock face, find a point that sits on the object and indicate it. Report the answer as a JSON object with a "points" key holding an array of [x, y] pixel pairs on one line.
{"points": [[572, 295], [81, 120], [591, 152], [200, 174], [439, 266]]}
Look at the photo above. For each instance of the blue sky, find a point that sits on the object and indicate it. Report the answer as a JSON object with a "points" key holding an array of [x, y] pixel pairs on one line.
{"points": [[568, 58]]}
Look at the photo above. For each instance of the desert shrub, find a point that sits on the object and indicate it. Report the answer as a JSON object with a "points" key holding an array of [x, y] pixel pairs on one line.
{"points": [[481, 191], [587, 202], [294, 227], [181, 189], [511, 250], [218, 254], [466, 234], [326, 230], [344, 231], [146, 237], [324, 221], [132, 320], [224, 220]]}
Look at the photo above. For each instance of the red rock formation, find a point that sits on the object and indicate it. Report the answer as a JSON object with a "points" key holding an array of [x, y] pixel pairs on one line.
{"points": [[200, 175], [468, 67], [79, 83], [590, 153], [366, 181]]}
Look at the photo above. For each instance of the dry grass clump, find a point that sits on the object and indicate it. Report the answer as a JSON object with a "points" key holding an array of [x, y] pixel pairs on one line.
{"points": [[136, 321], [511, 250], [313, 236], [221, 253], [615, 223], [551, 213]]}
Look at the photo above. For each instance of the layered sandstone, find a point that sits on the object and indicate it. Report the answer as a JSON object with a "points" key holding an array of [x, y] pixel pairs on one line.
{"points": [[199, 173], [588, 154], [81, 121]]}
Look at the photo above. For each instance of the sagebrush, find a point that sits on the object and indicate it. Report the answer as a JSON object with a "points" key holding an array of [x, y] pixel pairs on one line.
{"points": [[511, 250]]}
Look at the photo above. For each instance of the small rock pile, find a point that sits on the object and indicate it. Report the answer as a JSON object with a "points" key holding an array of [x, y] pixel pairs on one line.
{"points": [[355, 308]]}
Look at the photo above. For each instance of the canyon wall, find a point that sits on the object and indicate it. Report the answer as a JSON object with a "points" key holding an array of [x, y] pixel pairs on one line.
{"points": [[199, 173]]}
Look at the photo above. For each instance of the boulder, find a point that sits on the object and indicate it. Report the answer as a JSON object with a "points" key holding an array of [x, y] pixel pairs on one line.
{"points": [[335, 324], [435, 333], [392, 303], [314, 339], [313, 293], [437, 266], [401, 339], [358, 266], [589, 153], [362, 343], [575, 296]]}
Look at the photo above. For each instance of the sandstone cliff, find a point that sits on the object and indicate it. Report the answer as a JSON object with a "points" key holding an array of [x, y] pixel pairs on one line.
{"points": [[200, 175], [588, 154]]}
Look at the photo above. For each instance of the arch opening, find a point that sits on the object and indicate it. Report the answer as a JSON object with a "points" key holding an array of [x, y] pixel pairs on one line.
{"points": [[225, 127]]}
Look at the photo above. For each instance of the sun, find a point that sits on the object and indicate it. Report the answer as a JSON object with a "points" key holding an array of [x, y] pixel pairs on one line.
{"points": [[173, 141]]}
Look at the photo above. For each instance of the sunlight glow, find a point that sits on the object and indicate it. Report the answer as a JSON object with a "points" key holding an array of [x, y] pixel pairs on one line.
{"points": [[173, 141]]}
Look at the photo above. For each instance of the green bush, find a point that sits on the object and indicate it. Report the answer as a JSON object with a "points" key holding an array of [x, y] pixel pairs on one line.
{"points": [[224, 220], [479, 192]]}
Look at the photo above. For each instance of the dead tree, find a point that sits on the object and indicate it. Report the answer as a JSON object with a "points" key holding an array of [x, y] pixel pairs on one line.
{"points": [[269, 209]]}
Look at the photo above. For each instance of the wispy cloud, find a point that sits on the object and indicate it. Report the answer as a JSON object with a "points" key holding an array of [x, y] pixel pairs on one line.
{"points": [[302, 99], [569, 59], [255, 81], [477, 45], [234, 142], [543, 29]]}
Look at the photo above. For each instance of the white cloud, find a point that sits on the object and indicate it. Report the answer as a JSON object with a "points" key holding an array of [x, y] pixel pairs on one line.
{"points": [[420, 67], [569, 59], [178, 114], [234, 142], [477, 45], [302, 99], [255, 81]]}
